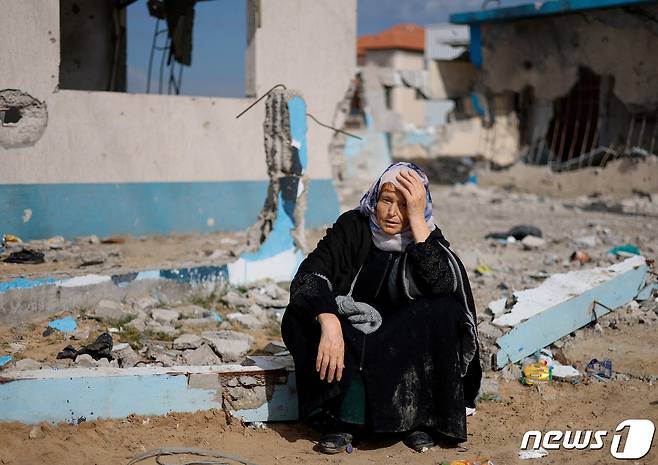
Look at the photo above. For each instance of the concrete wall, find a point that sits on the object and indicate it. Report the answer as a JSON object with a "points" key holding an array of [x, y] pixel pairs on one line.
{"points": [[403, 99], [309, 47], [142, 164], [546, 53], [451, 79]]}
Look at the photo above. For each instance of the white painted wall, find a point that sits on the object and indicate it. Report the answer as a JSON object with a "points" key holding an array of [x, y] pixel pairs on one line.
{"points": [[115, 137], [308, 46]]}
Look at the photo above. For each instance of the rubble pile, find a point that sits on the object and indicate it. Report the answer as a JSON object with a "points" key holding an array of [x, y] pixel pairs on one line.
{"points": [[145, 331]]}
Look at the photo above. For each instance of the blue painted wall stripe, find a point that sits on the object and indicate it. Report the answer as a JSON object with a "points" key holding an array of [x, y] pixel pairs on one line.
{"points": [[541, 9], [147, 208]]}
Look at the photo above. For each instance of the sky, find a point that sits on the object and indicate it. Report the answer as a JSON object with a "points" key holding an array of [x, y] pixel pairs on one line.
{"points": [[220, 32]]}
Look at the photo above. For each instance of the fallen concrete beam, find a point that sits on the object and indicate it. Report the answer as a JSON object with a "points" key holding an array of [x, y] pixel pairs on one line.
{"points": [[263, 392], [562, 304]]}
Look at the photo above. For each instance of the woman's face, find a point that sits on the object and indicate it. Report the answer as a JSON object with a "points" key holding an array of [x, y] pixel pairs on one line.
{"points": [[391, 210]]}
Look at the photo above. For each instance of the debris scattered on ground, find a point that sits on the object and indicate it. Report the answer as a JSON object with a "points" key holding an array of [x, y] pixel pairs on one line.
{"points": [[26, 257], [532, 453], [100, 348], [5, 359], [601, 369], [625, 250], [65, 325], [580, 256], [517, 232]]}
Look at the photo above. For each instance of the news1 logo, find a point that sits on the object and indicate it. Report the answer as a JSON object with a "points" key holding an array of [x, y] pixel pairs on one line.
{"points": [[639, 436]]}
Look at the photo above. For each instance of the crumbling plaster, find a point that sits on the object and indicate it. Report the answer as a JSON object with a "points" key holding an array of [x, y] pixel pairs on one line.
{"points": [[546, 53]]}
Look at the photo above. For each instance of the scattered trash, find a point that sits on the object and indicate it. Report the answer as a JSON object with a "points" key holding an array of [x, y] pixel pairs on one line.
{"points": [[10, 239], [625, 250], [477, 461], [483, 269], [113, 240], [517, 232], [217, 317], [25, 256], [532, 453], [5, 359], [580, 256], [601, 369], [100, 348], [65, 325], [537, 373]]}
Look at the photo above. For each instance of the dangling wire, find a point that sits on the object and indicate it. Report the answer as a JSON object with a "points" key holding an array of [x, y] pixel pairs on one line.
{"points": [[259, 99], [307, 114], [331, 127]]}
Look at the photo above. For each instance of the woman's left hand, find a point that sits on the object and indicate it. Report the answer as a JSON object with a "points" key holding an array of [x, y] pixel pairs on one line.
{"points": [[413, 191]]}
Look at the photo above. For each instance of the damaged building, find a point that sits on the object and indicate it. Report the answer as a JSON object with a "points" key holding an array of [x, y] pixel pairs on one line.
{"points": [[582, 73], [81, 156]]}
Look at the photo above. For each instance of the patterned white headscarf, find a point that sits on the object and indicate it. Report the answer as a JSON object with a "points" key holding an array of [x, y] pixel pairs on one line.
{"points": [[368, 207]]}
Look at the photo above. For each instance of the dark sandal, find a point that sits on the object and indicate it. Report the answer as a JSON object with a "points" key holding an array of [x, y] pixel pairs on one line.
{"points": [[334, 443], [418, 440]]}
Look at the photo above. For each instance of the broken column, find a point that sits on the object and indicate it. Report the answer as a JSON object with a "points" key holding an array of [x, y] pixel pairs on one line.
{"points": [[278, 233]]}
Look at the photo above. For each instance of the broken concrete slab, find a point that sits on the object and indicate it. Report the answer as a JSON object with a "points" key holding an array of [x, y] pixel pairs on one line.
{"points": [[201, 356], [125, 354], [65, 395], [110, 310], [164, 316], [187, 341], [247, 320], [231, 346], [562, 304]]}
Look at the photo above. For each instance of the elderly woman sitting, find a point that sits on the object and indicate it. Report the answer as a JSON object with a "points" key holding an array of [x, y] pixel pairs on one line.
{"points": [[381, 322]]}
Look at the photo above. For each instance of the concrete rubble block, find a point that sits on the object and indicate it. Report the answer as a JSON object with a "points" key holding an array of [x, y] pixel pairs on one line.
{"points": [[275, 347], [126, 355], [192, 323], [201, 356], [230, 345], [187, 341], [145, 303], [247, 320], [162, 356], [533, 243], [265, 300], [164, 316], [236, 300], [204, 381], [489, 389], [111, 310], [81, 334], [247, 397], [104, 363], [191, 311], [138, 323], [155, 327], [249, 381], [85, 361], [27, 364], [511, 372]]}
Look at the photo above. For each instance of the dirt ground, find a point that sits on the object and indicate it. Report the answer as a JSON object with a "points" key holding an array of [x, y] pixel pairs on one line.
{"points": [[465, 215]]}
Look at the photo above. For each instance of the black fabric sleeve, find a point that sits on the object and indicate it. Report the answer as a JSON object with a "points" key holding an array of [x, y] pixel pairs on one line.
{"points": [[428, 267], [312, 293], [323, 273]]}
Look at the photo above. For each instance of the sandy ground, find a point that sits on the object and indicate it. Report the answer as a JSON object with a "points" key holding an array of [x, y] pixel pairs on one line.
{"points": [[466, 215]]}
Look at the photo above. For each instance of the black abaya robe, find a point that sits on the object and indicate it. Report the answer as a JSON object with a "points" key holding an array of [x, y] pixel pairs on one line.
{"points": [[416, 366]]}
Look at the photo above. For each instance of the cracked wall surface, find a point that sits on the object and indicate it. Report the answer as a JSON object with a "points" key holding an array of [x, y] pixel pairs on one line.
{"points": [[546, 53], [23, 119]]}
